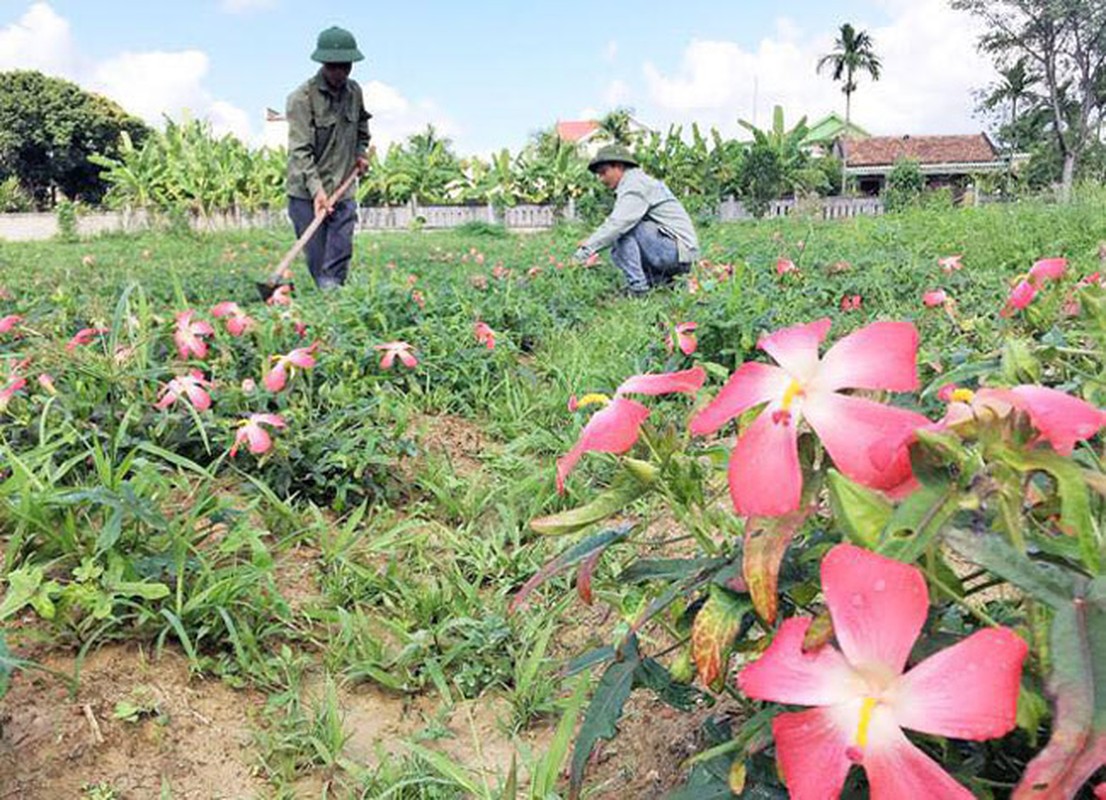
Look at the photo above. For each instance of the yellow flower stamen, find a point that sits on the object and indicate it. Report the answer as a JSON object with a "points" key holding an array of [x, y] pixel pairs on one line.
{"points": [[592, 399], [793, 390], [866, 709], [962, 396]]}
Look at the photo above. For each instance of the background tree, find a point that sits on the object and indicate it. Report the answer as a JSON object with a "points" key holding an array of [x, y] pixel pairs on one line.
{"points": [[48, 129], [853, 54], [1065, 41], [615, 127], [1015, 84]]}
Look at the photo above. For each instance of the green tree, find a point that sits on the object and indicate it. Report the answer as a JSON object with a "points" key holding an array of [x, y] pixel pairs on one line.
{"points": [[48, 129], [1065, 41], [853, 54], [615, 127], [1015, 84]]}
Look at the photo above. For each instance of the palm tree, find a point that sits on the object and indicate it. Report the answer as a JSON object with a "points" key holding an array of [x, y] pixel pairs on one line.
{"points": [[615, 127], [1015, 85], [853, 54]]}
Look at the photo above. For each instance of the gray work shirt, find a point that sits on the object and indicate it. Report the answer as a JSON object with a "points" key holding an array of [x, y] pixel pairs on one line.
{"points": [[639, 196]]}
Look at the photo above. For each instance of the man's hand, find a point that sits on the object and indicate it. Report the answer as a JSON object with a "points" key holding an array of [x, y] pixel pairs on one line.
{"points": [[322, 207], [581, 255]]}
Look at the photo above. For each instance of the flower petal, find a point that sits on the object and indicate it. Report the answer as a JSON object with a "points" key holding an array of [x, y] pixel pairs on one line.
{"points": [[752, 384], [810, 748], [258, 437], [796, 348], [387, 359], [1061, 419], [785, 674], [408, 359], [688, 381], [612, 430], [877, 604], [896, 769], [868, 441], [883, 355], [968, 691], [765, 478]]}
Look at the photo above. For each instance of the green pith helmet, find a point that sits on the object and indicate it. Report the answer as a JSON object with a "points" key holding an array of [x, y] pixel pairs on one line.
{"points": [[336, 46], [612, 153]]}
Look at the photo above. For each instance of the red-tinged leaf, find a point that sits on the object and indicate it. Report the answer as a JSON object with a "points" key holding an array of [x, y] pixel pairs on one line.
{"points": [[766, 540], [603, 506], [1077, 748], [583, 577], [592, 546], [713, 632]]}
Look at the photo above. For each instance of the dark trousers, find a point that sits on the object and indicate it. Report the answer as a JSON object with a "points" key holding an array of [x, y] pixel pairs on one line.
{"points": [[330, 249], [646, 257]]}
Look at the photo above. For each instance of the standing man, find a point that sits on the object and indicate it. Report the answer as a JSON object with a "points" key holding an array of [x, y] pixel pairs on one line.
{"points": [[328, 137], [649, 232]]}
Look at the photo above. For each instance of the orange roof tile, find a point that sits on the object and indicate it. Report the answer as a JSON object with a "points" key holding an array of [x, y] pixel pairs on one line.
{"points": [[880, 150], [574, 131]]}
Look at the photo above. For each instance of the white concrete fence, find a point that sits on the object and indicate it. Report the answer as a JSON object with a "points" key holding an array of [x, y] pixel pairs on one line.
{"points": [[30, 227]]}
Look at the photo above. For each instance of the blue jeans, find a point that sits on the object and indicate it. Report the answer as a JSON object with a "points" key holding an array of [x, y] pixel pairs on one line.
{"points": [[646, 257], [330, 249]]}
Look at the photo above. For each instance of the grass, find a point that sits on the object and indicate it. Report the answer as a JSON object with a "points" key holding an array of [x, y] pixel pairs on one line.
{"points": [[138, 524]]}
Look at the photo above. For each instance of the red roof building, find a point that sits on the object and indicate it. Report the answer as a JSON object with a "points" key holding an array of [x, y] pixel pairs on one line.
{"points": [[574, 131], [944, 160]]}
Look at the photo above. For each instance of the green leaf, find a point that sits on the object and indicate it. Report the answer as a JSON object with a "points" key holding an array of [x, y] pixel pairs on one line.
{"points": [[917, 520], [861, 511], [766, 542], [573, 555], [605, 505], [604, 711], [653, 676], [7, 666], [1044, 582], [26, 587], [666, 569], [1077, 682]]}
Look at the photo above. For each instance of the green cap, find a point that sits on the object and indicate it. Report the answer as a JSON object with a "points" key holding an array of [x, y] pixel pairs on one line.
{"points": [[336, 46], [612, 153]]}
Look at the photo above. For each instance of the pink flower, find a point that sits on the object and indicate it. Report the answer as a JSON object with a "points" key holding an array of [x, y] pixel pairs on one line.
{"points": [[1094, 279], [249, 386], [785, 266], [256, 437], [693, 286], [392, 350], [934, 298], [850, 302], [573, 404], [238, 321], [945, 393], [861, 695], [189, 336], [950, 264], [191, 386], [1060, 419], [46, 381], [764, 473], [617, 426], [15, 384], [83, 337], [533, 272], [478, 258], [685, 338], [479, 282], [5, 294], [300, 328], [1021, 296], [281, 296], [412, 280], [303, 357], [8, 323], [1047, 269], [418, 298], [499, 272], [484, 334]]}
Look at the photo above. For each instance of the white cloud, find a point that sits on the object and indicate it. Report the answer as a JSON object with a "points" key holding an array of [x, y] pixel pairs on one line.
{"points": [[38, 40], [930, 67], [395, 117], [610, 51], [245, 6]]}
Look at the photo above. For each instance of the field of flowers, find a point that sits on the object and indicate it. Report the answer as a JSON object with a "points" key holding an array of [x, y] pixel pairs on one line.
{"points": [[842, 482]]}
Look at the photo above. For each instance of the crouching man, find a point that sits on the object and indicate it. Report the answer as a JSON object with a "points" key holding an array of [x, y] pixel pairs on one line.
{"points": [[649, 232]]}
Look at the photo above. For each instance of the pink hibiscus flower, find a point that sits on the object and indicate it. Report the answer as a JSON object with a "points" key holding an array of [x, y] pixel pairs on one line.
{"points": [[851, 302], [484, 334], [8, 323], [685, 338], [15, 384], [46, 381], [83, 337], [934, 298], [616, 427], [861, 695], [764, 474], [251, 433], [189, 335], [1020, 297], [1047, 269], [238, 321], [192, 386], [785, 266], [393, 350], [950, 264], [277, 378]]}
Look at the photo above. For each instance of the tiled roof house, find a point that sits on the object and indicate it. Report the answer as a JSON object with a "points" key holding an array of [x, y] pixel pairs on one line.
{"points": [[942, 159]]}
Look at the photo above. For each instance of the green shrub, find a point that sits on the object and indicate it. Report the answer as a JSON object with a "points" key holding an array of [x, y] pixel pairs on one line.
{"points": [[904, 186]]}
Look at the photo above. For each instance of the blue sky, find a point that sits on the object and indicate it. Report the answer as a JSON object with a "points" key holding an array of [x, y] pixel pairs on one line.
{"points": [[491, 73]]}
